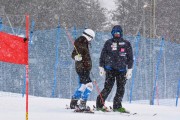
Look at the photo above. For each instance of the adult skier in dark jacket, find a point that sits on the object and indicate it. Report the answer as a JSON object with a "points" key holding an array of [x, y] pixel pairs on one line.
{"points": [[83, 65], [116, 61]]}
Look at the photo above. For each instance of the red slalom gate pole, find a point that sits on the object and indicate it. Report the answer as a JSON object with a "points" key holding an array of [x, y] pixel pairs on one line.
{"points": [[27, 88], [27, 66]]}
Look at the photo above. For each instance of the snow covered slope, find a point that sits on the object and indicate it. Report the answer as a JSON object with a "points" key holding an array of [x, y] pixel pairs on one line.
{"points": [[12, 107]]}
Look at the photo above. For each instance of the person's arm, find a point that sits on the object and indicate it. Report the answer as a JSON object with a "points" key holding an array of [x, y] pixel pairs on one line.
{"points": [[129, 61], [102, 60], [103, 56], [73, 54], [76, 54], [129, 56]]}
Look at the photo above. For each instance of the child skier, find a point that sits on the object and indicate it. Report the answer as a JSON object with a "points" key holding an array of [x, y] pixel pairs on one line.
{"points": [[83, 65]]}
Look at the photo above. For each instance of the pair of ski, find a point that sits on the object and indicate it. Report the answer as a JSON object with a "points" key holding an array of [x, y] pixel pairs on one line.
{"points": [[80, 110], [85, 110], [110, 109], [94, 110]]}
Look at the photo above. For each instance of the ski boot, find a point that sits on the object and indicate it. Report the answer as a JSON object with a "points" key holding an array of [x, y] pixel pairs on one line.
{"points": [[82, 105], [103, 109], [82, 108], [73, 103], [121, 110]]}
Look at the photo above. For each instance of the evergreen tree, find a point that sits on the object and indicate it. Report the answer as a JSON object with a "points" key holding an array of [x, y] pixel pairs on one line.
{"points": [[130, 15], [47, 13]]}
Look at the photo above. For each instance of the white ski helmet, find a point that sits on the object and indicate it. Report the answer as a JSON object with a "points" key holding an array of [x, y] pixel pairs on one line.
{"points": [[88, 34]]}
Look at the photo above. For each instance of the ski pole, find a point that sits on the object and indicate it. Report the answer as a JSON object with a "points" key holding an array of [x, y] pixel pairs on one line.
{"points": [[72, 41], [98, 90]]}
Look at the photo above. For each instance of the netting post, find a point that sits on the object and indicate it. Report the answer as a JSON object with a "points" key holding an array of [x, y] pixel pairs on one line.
{"points": [[177, 96], [157, 70], [75, 32], [57, 59], [1, 25], [85, 24], [31, 31], [138, 37], [24, 86]]}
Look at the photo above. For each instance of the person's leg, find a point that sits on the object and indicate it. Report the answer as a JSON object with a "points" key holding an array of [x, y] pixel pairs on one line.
{"points": [[84, 76], [87, 92], [85, 95], [108, 85], [77, 96], [120, 81]]}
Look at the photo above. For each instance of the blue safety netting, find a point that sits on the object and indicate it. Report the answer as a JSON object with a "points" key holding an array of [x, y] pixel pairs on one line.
{"points": [[52, 73]]}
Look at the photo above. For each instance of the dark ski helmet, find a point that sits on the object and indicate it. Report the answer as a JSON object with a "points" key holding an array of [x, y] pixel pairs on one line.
{"points": [[117, 31]]}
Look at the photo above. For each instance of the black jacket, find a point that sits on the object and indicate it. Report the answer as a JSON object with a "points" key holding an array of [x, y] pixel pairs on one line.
{"points": [[81, 47], [116, 54]]}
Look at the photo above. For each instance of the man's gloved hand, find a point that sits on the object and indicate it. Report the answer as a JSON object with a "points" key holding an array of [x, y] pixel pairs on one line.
{"points": [[78, 57], [101, 71], [129, 74]]}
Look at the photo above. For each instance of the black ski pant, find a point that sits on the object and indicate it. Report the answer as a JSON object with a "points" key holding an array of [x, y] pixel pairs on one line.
{"points": [[84, 76], [111, 76]]}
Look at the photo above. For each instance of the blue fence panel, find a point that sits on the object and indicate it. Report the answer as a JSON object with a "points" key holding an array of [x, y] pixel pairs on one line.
{"points": [[134, 66]]}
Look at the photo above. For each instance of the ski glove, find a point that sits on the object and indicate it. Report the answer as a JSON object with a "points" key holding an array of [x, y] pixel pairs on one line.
{"points": [[78, 57], [129, 74], [101, 71]]}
